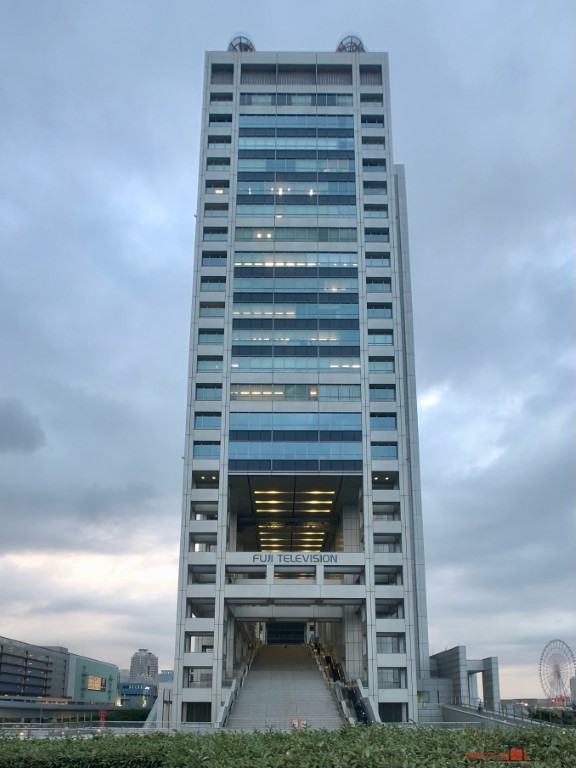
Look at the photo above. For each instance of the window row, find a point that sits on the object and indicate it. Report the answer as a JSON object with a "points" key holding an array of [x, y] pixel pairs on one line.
{"points": [[258, 350], [296, 323], [294, 420], [294, 308], [317, 284], [207, 363], [295, 142], [276, 259], [313, 209], [294, 450], [302, 364], [295, 392], [295, 465], [296, 121], [323, 165], [298, 234], [297, 99], [294, 336], [295, 435], [296, 188], [384, 450]]}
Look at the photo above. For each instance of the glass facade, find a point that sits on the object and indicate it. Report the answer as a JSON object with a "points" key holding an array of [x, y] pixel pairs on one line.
{"points": [[300, 362]]}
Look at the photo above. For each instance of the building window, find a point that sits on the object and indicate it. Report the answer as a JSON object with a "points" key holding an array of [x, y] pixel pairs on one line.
{"points": [[213, 283], [219, 142], [384, 450], [214, 258], [375, 188], [380, 337], [214, 187], [371, 98], [377, 259], [383, 421], [208, 363], [216, 209], [206, 450], [210, 336], [382, 392], [218, 164], [207, 420], [208, 391], [212, 309], [391, 677], [381, 364], [220, 121], [376, 235], [221, 98], [374, 165], [372, 121], [379, 311], [378, 284], [390, 643], [376, 211], [215, 233]]}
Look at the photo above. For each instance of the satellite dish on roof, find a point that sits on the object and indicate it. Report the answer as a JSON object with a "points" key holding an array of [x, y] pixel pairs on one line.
{"points": [[241, 43]]}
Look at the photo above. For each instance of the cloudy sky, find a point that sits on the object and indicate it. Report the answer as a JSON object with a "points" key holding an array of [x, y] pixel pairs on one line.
{"points": [[99, 130]]}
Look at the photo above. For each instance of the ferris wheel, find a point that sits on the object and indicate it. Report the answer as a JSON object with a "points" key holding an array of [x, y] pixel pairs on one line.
{"points": [[557, 666]]}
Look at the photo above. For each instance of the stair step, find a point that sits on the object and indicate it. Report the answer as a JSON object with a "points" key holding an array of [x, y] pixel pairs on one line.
{"points": [[284, 684]]}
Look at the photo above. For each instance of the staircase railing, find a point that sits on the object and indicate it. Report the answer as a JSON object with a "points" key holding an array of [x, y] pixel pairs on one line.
{"points": [[234, 690]]}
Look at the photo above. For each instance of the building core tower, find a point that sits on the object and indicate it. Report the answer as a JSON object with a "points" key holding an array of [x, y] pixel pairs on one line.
{"points": [[301, 510]]}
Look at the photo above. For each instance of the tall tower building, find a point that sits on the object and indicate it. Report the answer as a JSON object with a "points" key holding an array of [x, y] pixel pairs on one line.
{"points": [[301, 511], [143, 665]]}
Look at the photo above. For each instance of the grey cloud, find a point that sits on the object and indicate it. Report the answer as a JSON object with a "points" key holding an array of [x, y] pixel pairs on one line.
{"points": [[20, 431]]}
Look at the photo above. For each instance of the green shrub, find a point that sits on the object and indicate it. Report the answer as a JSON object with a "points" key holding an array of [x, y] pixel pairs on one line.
{"points": [[360, 747]]}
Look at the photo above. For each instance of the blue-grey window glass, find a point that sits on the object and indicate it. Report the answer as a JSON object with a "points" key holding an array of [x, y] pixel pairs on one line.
{"points": [[376, 211], [206, 450], [219, 142], [376, 235], [297, 99], [381, 364], [214, 258], [294, 450], [371, 98], [210, 336], [287, 189], [212, 309], [380, 337], [221, 98], [217, 187], [303, 364], [295, 392], [218, 164], [207, 420], [296, 121], [277, 259], [378, 284], [208, 391], [296, 210], [209, 363], [213, 283], [379, 310], [382, 392], [375, 188], [220, 121], [313, 421], [215, 209], [382, 421], [384, 450], [215, 233], [296, 165], [374, 165], [297, 234], [377, 260]]}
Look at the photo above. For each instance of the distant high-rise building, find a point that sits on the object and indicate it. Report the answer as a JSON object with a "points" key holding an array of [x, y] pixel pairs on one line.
{"points": [[144, 665], [302, 513]]}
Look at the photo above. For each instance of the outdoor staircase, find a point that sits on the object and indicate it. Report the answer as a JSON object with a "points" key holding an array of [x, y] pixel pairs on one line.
{"points": [[284, 684]]}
